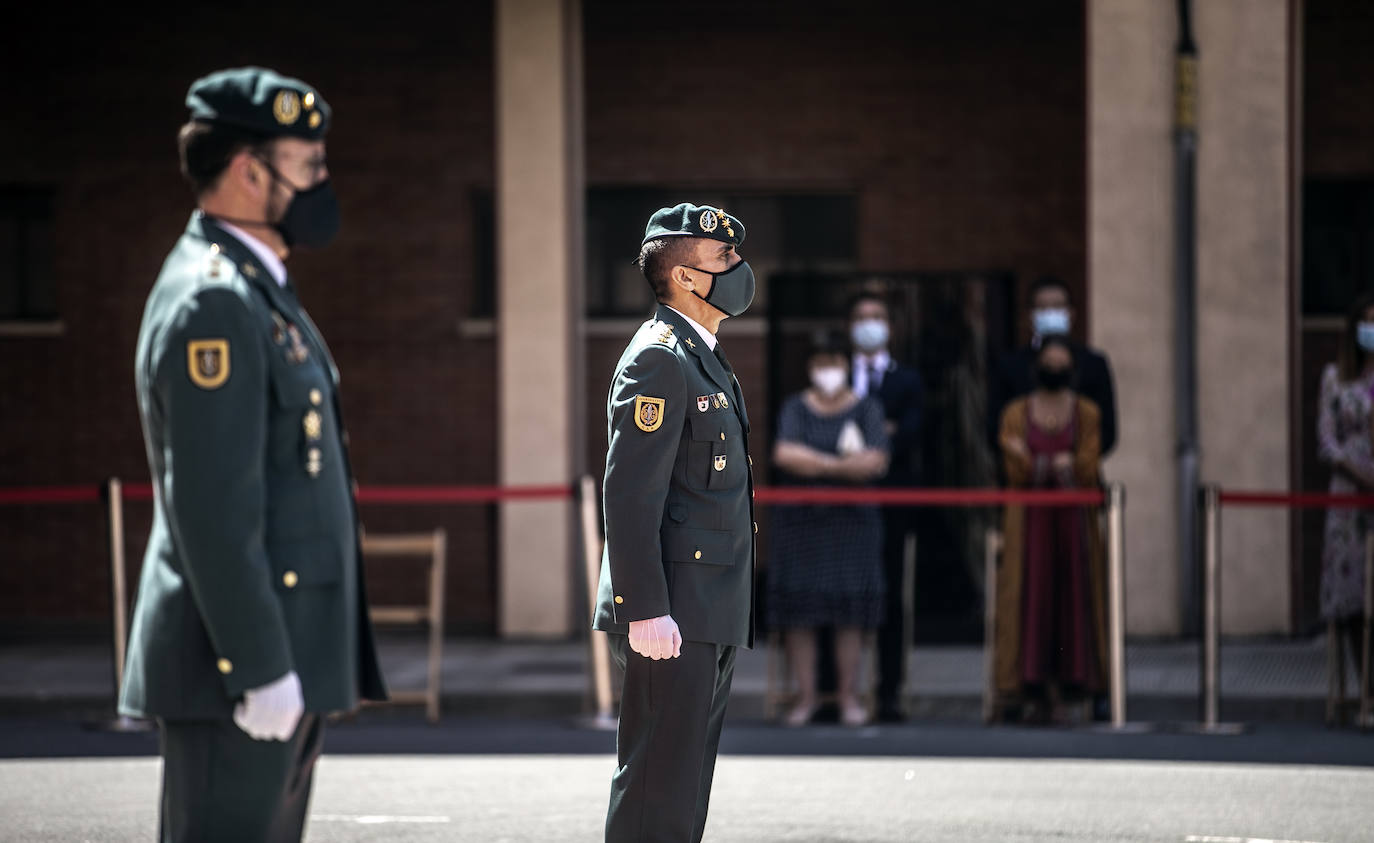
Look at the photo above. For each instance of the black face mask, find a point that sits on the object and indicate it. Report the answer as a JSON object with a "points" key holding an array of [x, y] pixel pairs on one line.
{"points": [[732, 291], [311, 217], [1053, 379]]}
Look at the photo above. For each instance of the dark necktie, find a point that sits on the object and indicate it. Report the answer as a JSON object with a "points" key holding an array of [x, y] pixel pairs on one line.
{"points": [[875, 378]]}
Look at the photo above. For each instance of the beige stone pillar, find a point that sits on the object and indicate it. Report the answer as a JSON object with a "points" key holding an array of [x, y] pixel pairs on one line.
{"points": [[1243, 294], [1130, 283], [539, 303], [1243, 235]]}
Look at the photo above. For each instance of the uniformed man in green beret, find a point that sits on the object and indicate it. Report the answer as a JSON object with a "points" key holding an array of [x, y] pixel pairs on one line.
{"points": [[677, 579], [251, 622]]}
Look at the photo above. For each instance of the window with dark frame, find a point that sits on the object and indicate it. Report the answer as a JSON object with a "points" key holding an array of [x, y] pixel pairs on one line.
{"points": [[28, 288]]}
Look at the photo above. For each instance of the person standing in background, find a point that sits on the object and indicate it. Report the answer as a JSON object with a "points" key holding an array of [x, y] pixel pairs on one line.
{"points": [[898, 390], [1345, 428], [1052, 314], [1049, 642], [825, 569]]}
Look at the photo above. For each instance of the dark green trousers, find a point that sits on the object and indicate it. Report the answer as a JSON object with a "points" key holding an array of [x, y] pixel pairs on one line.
{"points": [[218, 784], [671, 712]]}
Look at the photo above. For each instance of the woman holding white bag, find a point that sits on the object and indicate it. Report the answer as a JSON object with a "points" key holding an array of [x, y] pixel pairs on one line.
{"points": [[825, 568]]}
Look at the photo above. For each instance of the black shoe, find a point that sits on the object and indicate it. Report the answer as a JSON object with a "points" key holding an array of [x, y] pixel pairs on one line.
{"points": [[889, 712]]}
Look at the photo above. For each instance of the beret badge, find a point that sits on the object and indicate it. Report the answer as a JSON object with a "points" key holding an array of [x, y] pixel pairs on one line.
{"points": [[286, 107], [708, 220]]}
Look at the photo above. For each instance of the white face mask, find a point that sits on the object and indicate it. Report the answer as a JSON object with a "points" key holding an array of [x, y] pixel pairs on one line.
{"points": [[828, 380], [1050, 320], [1364, 335], [869, 334]]}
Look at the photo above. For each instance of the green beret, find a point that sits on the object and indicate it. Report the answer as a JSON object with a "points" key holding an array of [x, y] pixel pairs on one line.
{"points": [[688, 220], [259, 100]]}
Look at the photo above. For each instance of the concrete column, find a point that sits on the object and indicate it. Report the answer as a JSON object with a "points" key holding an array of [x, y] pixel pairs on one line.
{"points": [[1243, 294], [539, 302], [1130, 282], [1243, 299]]}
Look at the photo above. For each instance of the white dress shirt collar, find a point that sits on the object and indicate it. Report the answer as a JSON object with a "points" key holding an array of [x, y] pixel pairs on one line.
{"points": [[260, 250], [706, 336]]}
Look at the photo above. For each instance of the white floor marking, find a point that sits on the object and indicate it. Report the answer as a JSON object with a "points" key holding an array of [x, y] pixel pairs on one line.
{"points": [[1207, 838], [374, 819]]}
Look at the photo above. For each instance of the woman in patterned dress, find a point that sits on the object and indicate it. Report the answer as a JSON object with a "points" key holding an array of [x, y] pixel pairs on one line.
{"points": [[826, 567], [1344, 442]]}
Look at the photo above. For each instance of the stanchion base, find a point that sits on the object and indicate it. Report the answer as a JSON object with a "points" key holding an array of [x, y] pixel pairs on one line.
{"points": [[120, 724], [598, 722], [1134, 727], [1213, 728]]}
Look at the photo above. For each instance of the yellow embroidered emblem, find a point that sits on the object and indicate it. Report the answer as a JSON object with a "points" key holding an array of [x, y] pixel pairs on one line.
{"points": [[286, 107], [707, 221], [725, 221], [648, 413], [207, 362]]}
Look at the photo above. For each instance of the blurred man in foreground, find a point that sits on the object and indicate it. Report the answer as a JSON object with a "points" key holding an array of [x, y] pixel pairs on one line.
{"points": [[251, 621]]}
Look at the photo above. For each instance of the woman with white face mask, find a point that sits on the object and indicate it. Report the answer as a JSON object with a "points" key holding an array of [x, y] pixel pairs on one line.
{"points": [[825, 567], [1344, 417]]}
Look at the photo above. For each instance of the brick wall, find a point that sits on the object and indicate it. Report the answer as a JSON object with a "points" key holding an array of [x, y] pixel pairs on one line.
{"points": [[960, 127]]}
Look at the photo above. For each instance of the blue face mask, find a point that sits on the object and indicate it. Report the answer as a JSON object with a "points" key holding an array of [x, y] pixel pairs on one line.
{"points": [[1049, 321], [869, 334], [1364, 335]]}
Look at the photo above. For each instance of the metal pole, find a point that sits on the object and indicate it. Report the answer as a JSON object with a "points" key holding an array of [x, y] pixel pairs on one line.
{"points": [[120, 596], [992, 546], [1185, 305], [1116, 596], [1211, 612], [601, 657], [1364, 721]]}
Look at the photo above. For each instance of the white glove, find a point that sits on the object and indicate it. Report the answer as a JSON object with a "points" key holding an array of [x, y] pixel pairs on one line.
{"points": [[272, 711], [656, 638]]}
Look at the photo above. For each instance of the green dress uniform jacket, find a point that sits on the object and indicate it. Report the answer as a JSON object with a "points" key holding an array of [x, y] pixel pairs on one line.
{"points": [[253, 567], [678, 493]]}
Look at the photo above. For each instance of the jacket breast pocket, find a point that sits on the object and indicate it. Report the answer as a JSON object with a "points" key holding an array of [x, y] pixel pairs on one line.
{"points": [[716, 452], [701, 547]]}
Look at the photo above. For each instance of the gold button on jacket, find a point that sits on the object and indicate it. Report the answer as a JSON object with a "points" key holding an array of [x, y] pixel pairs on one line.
{"points": [[289, 579], [225, 666]]}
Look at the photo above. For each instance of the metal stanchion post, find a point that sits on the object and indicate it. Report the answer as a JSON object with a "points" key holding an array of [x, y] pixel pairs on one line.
{"points": [[114, 502], [1209, 499], [1116, 596], [992, 546], [604, 717], [1364, 721]]}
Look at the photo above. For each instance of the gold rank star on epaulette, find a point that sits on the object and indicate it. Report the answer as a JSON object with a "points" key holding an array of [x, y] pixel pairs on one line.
{"points": [[666, 337]]}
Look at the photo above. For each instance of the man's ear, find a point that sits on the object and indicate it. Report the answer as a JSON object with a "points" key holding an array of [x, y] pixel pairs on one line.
{"points": [[682, 277]]}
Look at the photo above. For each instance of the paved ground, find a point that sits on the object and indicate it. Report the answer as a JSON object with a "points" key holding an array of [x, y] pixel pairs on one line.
{"points": [[505, 799], [387, 776]]}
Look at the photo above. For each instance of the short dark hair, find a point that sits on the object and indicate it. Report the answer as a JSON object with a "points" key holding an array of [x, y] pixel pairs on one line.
{"points": [[207, 148], [868, 295], [1050, 282], [1352, 357], [829, 342], [657, 259]]}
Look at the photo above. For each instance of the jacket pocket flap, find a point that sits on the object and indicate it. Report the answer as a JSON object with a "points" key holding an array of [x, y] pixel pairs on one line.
{"points": [[304, 563], [704, 547]]}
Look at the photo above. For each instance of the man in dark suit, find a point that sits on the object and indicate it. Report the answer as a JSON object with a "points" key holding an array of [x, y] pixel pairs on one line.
{"points": [[251, 622], [676, 593], [1052, 312], [898, 388]]}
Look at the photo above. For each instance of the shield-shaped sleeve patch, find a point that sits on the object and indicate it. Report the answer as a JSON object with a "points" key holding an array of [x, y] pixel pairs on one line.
{"points": [[207, 362], [648, 413]]}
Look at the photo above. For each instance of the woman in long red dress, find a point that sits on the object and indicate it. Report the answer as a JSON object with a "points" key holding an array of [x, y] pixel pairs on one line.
{"points": [[1050, 630]]}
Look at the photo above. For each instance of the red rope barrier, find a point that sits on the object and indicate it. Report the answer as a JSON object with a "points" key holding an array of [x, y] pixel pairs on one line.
{"points": [[928, 497], [460, 494], [50, 495], [1298, 500]]}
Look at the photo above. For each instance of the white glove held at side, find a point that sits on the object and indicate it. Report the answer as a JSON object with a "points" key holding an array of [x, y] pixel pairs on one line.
{"points": [[656, 638], [272, 711]]}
